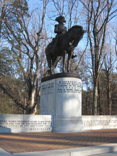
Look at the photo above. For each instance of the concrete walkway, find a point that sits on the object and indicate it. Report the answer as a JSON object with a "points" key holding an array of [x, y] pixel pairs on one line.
{"points": [[108, 149], [108, 154], [59, 144], [4, 153]]}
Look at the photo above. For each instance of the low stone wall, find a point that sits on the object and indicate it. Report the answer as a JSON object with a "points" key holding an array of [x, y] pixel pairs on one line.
{"points": [[10, 123], [99, 122]]}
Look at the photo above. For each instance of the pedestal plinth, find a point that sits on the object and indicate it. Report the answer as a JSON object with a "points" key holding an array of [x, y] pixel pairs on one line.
{"points": [[61, 98]]}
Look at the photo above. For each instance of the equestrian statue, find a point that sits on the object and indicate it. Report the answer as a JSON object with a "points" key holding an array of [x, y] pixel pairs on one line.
{"points": [[64, 43]]}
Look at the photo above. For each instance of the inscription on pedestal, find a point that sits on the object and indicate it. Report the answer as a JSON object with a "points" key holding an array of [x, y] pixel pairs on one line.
{"points": [[68, 87], [47, 88]]}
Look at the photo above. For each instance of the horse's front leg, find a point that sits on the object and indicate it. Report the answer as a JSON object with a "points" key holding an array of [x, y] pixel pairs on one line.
{"points": [[52, 70], [50, 67], [69, 62], [63, 62]]}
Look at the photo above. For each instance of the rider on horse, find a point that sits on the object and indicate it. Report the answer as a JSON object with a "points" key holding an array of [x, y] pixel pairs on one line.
{"points": [[60, 29]]}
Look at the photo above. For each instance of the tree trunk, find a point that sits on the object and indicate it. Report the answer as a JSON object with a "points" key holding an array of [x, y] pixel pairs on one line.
{"points": [[108, 93], [99, 96], [95, 96], [32, 103], [95, 78]]}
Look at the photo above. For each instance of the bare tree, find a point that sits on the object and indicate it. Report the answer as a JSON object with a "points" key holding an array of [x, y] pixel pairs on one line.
{"points": [[71, 9], [25, 32], [109, 66], [3, 5], [99, 14]]}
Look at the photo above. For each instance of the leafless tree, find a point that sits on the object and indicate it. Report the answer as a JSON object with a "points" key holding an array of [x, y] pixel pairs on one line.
{"points": [[25, 32], [109, 66], [99, 13]]}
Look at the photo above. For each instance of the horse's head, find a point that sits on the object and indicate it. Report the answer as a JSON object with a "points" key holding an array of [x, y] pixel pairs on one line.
{"points": [[76, 34], [77, 30]]}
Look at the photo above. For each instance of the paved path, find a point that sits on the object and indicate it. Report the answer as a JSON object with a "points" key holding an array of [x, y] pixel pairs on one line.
{"points": [[108, 154], [32, 142], [108, 149], [4, 153]]}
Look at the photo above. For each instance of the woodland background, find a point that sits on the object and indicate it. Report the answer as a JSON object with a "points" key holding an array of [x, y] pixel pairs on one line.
{"points": [[27, 26]]}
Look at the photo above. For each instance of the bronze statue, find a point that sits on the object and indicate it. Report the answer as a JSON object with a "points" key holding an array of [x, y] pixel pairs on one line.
{"points": [[64, 43]]}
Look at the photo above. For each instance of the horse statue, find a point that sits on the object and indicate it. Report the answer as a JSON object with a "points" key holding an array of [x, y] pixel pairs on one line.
{"points": [[65, 45]]}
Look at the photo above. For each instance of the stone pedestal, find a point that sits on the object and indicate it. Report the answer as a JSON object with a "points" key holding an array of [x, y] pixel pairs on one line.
{"points": [[61, 98]]}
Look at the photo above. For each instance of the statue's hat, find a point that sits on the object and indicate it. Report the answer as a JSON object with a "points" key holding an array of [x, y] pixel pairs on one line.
{"points": [[60, 18]]}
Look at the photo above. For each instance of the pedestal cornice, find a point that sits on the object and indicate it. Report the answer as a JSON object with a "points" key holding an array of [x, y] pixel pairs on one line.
{"points": [[60, 75]]}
